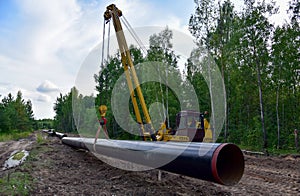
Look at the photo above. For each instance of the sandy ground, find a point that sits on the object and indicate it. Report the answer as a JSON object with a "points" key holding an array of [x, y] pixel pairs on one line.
{"points": [[61, 170]]}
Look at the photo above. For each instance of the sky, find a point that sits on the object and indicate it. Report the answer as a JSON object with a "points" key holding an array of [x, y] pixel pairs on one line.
{"points": [[43, 43]]}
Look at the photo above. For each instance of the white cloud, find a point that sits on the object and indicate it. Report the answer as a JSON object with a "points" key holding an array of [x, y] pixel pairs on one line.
{"points": [[42, 103], [47, 45], [43, 98], [52, 38], [46, 87]]}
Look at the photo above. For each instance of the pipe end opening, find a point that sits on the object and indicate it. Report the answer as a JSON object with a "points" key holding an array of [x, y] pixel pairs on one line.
{"points": [[228, 164]]}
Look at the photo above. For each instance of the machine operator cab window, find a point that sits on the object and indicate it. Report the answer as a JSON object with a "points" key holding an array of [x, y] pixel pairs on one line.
{"points": [[194, 125]]}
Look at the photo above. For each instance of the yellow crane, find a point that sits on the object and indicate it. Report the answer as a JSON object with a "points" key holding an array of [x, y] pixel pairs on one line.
{"points": [[193, 127]]}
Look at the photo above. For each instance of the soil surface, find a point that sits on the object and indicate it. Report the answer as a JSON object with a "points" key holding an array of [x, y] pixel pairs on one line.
{"points": [[58, 169]]}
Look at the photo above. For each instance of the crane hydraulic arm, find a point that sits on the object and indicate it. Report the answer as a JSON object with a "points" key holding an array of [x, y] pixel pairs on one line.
{"points": [[112, 12]]}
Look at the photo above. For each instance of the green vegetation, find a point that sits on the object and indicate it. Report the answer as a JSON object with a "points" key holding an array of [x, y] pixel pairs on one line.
{"points": [[16, 117], [16, 183], [15, 114], [64, 116], [259, 63], [19, 181], [14, 135], [44, 124], [40, 139], [260, 67], [18, 156]]}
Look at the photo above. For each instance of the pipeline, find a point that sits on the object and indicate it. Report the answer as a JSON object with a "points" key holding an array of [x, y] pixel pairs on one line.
{"points": [[51, 132], [221, 163]]}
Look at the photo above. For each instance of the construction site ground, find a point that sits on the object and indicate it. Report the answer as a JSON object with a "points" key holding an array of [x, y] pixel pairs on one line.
{"points": [[57, 169]]}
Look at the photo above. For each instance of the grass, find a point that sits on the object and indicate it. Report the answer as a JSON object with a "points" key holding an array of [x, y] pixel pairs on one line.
{"points": [[17, 183], [18, 156], [14, 135], [271, 151], [40, 139], [274, 151]]}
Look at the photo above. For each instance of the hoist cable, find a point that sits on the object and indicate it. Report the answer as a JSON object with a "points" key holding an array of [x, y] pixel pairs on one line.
{"points": [[144, 50], [139, 41], [142, 47], [134, 35], [103, 40], [167, 99], [108, 38], [161, 90]]}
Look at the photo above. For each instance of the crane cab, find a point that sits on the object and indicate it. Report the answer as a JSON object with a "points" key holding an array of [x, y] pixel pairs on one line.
{"points": [[194, 125]]}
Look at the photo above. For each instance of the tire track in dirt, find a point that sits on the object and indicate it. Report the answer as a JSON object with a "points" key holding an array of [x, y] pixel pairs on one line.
{"points": [[268, 176]]}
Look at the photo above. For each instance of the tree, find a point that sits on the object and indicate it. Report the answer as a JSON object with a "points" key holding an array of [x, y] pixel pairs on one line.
{"points": [[160, 51], [285, 63], [216, 30], [23, 119], [260, 67], [4, 119], [16, 114], [257, 34], [161, 48], [64, 114], [203, 22], [223, 49], [105, 82]]}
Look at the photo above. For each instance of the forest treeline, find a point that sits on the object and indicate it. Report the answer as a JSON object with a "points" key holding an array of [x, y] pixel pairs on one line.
{"points": [[17, 117], [259, 63], [260, 66], [15, 114]]}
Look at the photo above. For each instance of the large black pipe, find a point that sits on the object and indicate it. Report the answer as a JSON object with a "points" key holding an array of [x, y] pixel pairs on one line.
{"points": [[59, 135], [50, 132], [55, 133], [220, 163]]}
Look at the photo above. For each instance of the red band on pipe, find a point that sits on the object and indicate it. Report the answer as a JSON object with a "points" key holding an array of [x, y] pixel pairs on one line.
{"points": [[214, 164]]}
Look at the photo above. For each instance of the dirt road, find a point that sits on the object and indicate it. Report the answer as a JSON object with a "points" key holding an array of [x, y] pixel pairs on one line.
{"points": [[57, 169]]}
